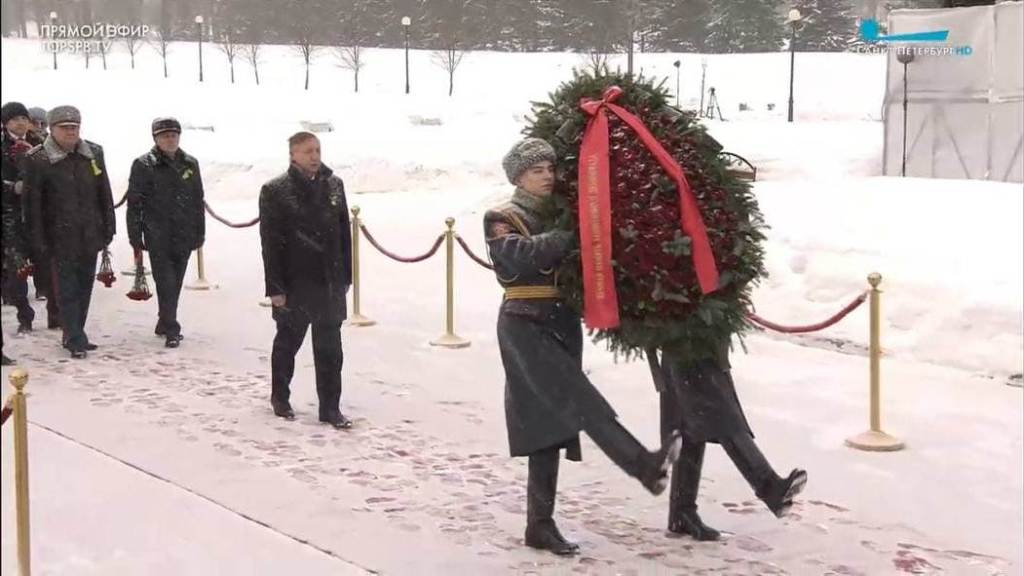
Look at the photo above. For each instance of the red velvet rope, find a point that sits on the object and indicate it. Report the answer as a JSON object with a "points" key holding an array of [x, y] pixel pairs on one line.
{"points": [[6, 412], [226, 222], [473, 256], [812, 327], [422, 257]]}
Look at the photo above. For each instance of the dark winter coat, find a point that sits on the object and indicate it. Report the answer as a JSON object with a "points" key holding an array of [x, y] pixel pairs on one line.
{"points": [[707, 406], [547, 395], [307, 243], [14, 152], [71, 209], [165, 203]]}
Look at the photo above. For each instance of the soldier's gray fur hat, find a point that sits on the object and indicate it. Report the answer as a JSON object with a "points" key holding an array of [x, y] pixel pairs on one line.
{"points": [[524, 154]]}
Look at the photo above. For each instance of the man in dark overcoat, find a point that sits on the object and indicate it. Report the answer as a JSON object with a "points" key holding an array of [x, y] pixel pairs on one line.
{"points": [[307, 259], [166, 218], [70, 217]]}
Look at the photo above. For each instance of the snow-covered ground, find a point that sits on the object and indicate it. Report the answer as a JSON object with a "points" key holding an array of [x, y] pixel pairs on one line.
{"points": [[423, 483]]}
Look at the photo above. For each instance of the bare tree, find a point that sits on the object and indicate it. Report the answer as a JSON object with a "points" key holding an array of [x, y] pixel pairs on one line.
{"points": [[449, 59], [357, 28], [251, 52], [597, 62], [161, 42], [351, 58], [230, 49], [452, 31], [132, 43], [305, 47]]}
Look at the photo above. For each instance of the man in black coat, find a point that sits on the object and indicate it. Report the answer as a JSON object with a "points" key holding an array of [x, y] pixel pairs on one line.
{"points": [[548, 398], [71, 217], [17, 140], [166, 218], [307, 256]]}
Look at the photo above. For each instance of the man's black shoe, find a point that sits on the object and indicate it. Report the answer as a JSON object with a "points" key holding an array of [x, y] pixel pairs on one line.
{"points": [[338, 421], [78, 354], [173, 341], [24, 327], [53, 323], [283, 410]]}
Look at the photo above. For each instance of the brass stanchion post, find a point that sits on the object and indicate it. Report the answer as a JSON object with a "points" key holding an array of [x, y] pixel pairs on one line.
{"points": [[356, 318], [875, 440], [18, 380], [200, 283], [449, 339]]}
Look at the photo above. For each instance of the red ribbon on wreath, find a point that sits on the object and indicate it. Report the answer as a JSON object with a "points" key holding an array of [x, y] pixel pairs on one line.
{"points": [[600, 300]]}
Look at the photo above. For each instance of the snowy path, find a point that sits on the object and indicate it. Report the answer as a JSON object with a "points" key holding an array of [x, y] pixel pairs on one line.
{"points": [[422, 483]]}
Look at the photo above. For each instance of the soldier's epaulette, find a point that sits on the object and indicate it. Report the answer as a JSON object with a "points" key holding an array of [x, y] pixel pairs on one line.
{"points": [[499, 212], [509, 213], [34, 150]]}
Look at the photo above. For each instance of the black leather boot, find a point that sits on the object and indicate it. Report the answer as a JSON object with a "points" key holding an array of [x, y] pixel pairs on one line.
{"points": [[779, 496], [541, 531], [777, 493], [654, 466], [682, 511]]}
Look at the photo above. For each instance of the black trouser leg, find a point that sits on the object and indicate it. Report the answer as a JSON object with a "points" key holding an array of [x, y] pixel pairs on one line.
{"points": [[168, 275], [328, 359], [541, 486], [751, 463], [291, 331], [74, 292], [46, 285], [16, 291]]}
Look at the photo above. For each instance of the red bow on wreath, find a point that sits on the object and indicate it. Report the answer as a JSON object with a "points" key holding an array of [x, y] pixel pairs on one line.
{"points": [[600, 301]]}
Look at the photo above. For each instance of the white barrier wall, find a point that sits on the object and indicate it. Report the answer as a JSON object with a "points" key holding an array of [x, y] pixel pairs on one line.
{"points": [[965, 116]]}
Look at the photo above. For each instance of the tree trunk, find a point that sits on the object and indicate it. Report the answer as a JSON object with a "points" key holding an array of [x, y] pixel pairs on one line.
{"points": [[165, 65], [256, 72], [231, 63], [133, 59]]}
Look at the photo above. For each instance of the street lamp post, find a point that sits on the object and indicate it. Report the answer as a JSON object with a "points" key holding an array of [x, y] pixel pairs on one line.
{"points": [[677, 63], [793, 20], [905, 58], [199, 28], [703, 75], [405, 26], [53, 46]]}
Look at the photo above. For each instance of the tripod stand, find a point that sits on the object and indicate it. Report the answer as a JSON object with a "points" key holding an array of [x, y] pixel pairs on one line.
{"points": [[713, 105]]}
